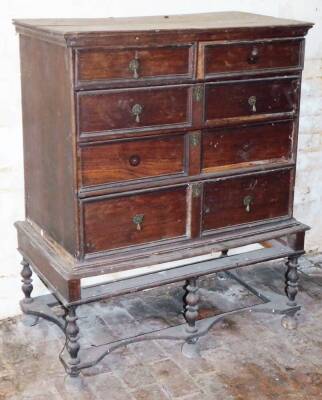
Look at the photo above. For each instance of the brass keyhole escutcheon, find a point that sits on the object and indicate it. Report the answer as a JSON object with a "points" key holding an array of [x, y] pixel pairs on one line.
{"points": [[137, 111], [138, 221], [252, 102], [134, 67], [248, 202]]}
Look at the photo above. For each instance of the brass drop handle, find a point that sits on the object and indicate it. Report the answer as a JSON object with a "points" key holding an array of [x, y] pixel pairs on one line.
{"points": [[138, 221], [252, 102], [134, 67], [248, 201], [253, 58], [137, 111]]}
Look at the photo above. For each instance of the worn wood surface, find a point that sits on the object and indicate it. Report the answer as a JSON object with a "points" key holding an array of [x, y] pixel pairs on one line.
{"points": [[245, 56], [105, 111], [143, 137], [244, 146], [49, 135], [130, 160], [231, 100], [224, 201], [202, 21], [163, 215], [134, 64]]}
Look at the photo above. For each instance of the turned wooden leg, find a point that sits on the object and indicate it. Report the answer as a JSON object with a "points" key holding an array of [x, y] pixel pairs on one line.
{"points": [[191, 307], [72, 345], [291, 290], [26, 287], [189, 348]]}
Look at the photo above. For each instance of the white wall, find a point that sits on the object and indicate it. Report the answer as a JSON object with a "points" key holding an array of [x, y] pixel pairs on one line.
{"points": [[309, 178]]}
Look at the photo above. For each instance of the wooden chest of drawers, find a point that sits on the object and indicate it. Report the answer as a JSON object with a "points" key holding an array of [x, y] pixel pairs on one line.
{"points": [[149, 140]]}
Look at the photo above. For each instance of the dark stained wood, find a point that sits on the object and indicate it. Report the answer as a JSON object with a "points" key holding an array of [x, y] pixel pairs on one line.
{"points": [[211, 20], [221, 58], [33, 244], [224, 201], [231, 100], [92, 166], [105, 111], [296, 241], [247, 145], [151, 140], [161, 29], [109, 223], [51, 264], [195, 202], [130, 160], [140, 256], [175, 180], [114, 65], [194, 152], [49, 140]]}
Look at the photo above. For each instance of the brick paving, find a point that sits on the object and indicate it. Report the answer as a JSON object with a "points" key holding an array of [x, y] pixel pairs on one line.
{"points": [[246, 356]]}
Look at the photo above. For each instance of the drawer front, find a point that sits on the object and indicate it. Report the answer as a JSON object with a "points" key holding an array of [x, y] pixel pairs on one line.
{"points": [[134, 109], [250, 98], [239, 57], [244, 146], [132, 159], [248, 199], [135, 64], [135, 219]]}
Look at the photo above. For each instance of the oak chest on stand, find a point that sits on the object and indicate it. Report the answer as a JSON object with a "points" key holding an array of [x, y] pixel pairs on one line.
{"points": [[155, 140]]}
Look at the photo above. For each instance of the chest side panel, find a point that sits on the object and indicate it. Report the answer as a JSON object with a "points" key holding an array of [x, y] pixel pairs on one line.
{"points": [[48, 140]]}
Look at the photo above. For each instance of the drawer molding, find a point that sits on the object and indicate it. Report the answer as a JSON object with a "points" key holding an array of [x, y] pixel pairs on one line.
{"points": [[250, 57], [123, 187], [135, 66], [245, 146], [108, 112], [234, 201], [251, 100], [135, 218], [108, 163]]}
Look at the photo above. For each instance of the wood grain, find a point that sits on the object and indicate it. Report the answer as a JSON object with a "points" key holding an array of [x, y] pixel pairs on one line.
{"points": [[247, 56], [112, 162], [224, 200], [228, 100], [247, 145], [112, 65], [112, 110], [108, 223], [92, 166], [49, 140]]}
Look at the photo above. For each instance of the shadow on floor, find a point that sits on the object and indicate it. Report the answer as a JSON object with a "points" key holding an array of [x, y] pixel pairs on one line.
{"points": [[245, 357]]}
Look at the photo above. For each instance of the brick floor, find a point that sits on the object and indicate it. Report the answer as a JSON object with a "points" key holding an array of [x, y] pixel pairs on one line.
{"points": [[246, 356]]}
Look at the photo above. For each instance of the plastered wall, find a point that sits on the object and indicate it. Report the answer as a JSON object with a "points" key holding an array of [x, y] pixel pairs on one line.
{"points": [[308, 199]]}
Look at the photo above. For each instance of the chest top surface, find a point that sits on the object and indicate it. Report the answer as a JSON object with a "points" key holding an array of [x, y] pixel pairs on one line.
{"points": [[71, 30]]}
